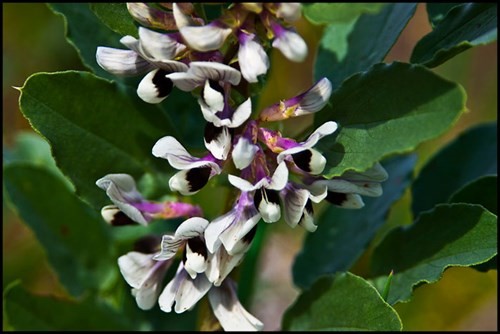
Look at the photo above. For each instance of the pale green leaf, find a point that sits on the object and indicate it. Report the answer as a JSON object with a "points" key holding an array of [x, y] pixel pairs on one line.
{"points": [[321, 12]]}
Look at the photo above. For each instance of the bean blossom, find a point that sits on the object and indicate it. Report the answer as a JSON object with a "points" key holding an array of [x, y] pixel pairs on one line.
{"points": [[274, 177]]}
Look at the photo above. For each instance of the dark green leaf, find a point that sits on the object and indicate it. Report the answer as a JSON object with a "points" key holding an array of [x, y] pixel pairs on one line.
{"points": [[437, 11], [389, 109], [321, 13], [116, 17], [471, 155], [346, 233], [463, 27], [350, 47], [449, 235], [76, 239], [94, 127], [29, 312], [343, 302], [86, 32], [483, 191]]}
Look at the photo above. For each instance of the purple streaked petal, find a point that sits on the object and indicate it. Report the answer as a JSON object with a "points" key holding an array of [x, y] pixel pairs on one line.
{"points": [[294, 201], [122, 62], [314, 99], [229, 311], [132, 43], [204, 70], [159, 46]]}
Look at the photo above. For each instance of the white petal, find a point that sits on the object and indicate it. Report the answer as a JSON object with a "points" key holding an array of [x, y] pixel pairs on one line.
{"points": [[242, 184], [192, 227], [269, 211], [151, 90], [289, 11], [181, 19], [226, 263], [215, 71], [280, 177], [132, 43], [353, 201], [190, 291], [158, 46], [135, 267], [122, 62], [253, 60], [147, 296], [241, 114], [317, 192], [121, 189], [220, 145], [185, 81], [315, 98], [243, 153], [291, 45], [215, 228], [167, 297], [169, 247], [178, 182], [317, 163], [212, 98], [232, 236], [205, 38], [294, 201], [229, 311], [195, 262], [307, 222]]}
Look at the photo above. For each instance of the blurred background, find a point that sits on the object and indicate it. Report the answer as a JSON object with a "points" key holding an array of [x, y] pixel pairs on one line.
{"points": [[463, 300]]}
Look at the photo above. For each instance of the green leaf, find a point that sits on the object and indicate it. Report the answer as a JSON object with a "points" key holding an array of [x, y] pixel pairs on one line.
{"points": [[347, 233], [29, 312], [76, 239], [353, 46], [463, 27], [483, 191], [387, 110], [469, 156], [86, 32], [449, 235], [343, 302], [116, 17], [437, 11], [106, 129], [323, 13]]}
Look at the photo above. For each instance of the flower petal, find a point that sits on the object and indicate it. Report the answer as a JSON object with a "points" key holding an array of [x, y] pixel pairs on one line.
{"points": [[253, 60], [294, 201], [185, 81], [346, 201], [159, 46], [213, 98], [243, 153], [280, 177], [268, 204], [216, 227], [136, 267], [190, 181], [215, 71], [241, 114], [122, 62], [229, 311], [190, 291], [196, 256], [115, 217], [205, 38], [289, 11], [315, 98], [242, 184], [291, 45], [155, 86], [217, 140], [237, 237]]}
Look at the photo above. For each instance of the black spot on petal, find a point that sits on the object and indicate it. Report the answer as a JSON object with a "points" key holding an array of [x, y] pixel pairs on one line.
{"points": [[303, 160], [270, 196], [336, 198], [215, 85], [309, 207], [212, 132], [197, 178], [247, 238], [163, 84], [198, 246], [121, 219]]}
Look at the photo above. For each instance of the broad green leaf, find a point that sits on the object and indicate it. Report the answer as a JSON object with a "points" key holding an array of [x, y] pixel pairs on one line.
{"points": [[463, 27], [450, 235], [75, 238], [469, 156], [116, 17], [437, 11], [342, 302], [389, 109], [345, 234], [94, 128], [29, 312], [483, 191], [30, 148], [353, 46], [323, 13], [86, 32]]}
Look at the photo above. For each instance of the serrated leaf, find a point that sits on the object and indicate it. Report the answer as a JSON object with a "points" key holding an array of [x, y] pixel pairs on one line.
{"points": [[86, 32], [116, 17], [75, 238], [94, 127], [323, 13], [389, 109], [436, 11], [346, 233], [29, 312], [343, 302], [353, 46], [463, 27], [469, 156], [449, 235]]}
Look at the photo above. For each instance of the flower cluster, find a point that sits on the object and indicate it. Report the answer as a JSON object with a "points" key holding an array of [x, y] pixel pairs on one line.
{"points": [[275, 176]]}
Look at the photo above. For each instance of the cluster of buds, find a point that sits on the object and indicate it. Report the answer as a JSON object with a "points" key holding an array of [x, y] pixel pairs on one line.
{"points": [[276, 177]]}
